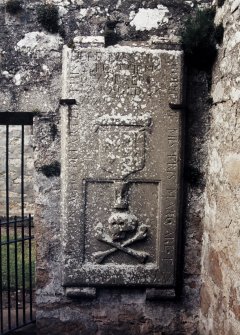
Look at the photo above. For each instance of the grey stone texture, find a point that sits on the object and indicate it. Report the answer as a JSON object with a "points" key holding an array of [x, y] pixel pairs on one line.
{"points": [[121, 166], [30, 77], [220, 293]]}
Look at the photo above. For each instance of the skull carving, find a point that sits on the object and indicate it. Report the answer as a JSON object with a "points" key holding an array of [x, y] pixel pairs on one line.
{"points": [[121, 223]]}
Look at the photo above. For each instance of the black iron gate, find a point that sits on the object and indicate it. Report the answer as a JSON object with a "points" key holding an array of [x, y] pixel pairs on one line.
{"points": [[17, 252]]}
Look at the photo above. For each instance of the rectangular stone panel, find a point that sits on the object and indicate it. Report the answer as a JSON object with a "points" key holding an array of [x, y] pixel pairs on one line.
{"points": [[97, 222], [121, 159]]}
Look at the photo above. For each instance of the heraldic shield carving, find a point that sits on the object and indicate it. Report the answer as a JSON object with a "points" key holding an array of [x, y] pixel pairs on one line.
{"points": [[122, 144], [121, 152]]}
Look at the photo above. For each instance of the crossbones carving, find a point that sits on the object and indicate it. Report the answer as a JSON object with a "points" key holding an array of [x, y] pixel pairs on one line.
{"points": [[120, 224]]}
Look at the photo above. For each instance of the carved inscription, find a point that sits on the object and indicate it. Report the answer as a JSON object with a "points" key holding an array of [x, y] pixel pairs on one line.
{"points": [[175, 90], [169, 230], [125, 80], [169, 224], [170, 208], [172, 153]]}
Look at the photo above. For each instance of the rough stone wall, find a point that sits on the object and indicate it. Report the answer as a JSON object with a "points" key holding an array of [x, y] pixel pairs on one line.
{"points": [[220, 294], [31, 81], [26, 77]]}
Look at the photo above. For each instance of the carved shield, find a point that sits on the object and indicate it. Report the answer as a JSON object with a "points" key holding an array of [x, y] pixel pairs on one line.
{"points": [[121, 150]]}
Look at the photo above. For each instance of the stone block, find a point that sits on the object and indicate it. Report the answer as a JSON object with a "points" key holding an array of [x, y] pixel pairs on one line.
{"points": [[121, 164]]}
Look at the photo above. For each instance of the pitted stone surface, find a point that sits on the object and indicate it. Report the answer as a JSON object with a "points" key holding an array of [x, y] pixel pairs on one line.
{"points": [[122, 144], [220, 294]]}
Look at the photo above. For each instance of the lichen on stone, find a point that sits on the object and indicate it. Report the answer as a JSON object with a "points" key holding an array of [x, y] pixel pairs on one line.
{"points": [[48, 17], [148, 19], [200, 37]]}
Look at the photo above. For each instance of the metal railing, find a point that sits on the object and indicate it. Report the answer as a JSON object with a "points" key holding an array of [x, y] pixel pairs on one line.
{"points": [[17, 251], [16, 273]]}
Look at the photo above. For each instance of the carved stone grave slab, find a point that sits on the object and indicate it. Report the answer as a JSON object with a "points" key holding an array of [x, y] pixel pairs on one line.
{"points": [[121, 158]]}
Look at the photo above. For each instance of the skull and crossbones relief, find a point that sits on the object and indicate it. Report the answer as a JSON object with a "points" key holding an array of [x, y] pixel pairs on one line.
{"points": [[120, 225]]}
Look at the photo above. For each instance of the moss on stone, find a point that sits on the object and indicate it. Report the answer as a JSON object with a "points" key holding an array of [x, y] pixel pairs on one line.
{"points": [[199, 39], [51, 170], [48, 17], [14, 6], [219, 31], [36, 111], [111, 37], [71, 44], [53, 131], [194, 176], [220, 3]]}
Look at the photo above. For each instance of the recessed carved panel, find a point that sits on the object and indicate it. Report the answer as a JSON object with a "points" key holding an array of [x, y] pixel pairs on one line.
{"points": [[124, 236]]}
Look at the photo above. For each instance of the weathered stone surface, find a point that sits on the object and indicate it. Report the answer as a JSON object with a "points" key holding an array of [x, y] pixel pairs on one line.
{"points": [[205, 299], [215, 268], [121, 149], [234, 303], [54, 326], [221, 229]]}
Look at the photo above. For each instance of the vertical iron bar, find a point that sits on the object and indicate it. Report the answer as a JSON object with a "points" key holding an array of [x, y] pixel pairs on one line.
{"points": [[23, 242], [7, 173], [22, 172], [30, 263], [1, 297], [7, 214], [9, 240], [16, 268]]}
